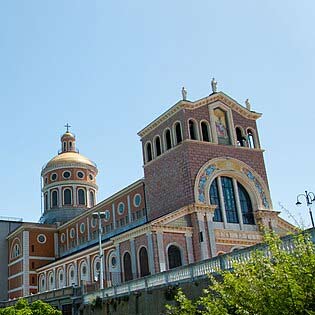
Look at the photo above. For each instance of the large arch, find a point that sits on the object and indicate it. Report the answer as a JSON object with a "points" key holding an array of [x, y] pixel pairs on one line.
{"points": [[257, 188]]}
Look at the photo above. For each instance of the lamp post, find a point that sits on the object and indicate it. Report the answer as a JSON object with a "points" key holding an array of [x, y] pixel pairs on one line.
{"points": [[310, 198], [99, 216]]}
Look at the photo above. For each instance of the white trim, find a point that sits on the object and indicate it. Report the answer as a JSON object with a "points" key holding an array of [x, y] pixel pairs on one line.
{"points": [[16, 275], [146, 160], [208, 128], [15, 262], [154, 146], [41, 258], [164, 139], [174, 132], [16, 289], [195, 127]]}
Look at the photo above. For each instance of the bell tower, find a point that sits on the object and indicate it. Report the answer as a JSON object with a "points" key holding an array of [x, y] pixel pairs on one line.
{"points": [[69, 183]]}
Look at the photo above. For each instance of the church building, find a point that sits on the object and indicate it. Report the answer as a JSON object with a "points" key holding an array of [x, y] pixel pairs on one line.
{"points": [[204, 192]]}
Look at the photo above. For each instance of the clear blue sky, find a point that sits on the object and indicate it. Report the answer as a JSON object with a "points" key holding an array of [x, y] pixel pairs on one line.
{"points": [[110, 67]]}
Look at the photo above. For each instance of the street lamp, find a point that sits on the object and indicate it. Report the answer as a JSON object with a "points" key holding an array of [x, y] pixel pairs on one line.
{"points": [[310, 198], [99, 216]]}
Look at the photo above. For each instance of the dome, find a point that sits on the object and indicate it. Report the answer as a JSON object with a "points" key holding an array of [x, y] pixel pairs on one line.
{"points": [[69, 158]]}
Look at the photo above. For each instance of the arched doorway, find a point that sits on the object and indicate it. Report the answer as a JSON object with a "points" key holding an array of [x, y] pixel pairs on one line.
{"points": [[144, 262], [174, 257], [127, 267]]}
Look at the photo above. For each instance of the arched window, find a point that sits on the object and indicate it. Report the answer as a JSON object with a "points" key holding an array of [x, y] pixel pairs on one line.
{"points": [[64, 146], [230, 193], [42, 283], [92, 200], [221, 125], [16, 251], [81, 197], [168, 139], [205, 131], [193, 130], [178, 133], [51, 281], [174, 257], [46, 201], [157, 143], [54, 199], [215, 200], [71, 275], [96, 268], [83, 272], [250, 139], [246, 205], [144, 262], [60, 277], [127, 267], [67, 198], [241, 141], [148, 152]]}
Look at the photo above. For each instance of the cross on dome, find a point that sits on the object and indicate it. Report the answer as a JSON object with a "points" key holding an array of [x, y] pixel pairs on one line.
{"points": [[67, 126]]}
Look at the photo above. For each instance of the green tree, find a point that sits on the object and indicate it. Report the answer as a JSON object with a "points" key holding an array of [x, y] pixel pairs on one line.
{"points": [[276, 281], [36, 308]]}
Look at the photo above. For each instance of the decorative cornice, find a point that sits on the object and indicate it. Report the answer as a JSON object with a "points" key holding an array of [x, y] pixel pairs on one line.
{"points": [[67, 165], [69, 183], [220, 96], [32, 226]]}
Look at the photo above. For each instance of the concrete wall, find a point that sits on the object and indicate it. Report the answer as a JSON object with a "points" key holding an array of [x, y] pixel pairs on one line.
{"points": [[6, 226], [145, 302]]}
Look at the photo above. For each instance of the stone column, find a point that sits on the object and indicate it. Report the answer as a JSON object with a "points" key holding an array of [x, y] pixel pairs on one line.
{"points": [[74, 195], [211, 234], [133, 257], [222, 201], [161, 251], [129, 208], [26, 261], [150, 253], [203, 244], [189, 248]]}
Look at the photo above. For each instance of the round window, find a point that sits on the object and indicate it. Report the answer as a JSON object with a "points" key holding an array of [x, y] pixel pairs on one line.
{"points": [[114, 261], [137, 200], [63, 237], [41, 238], [91, 177], [93, 222], [107, 215], [80, 174], [53, 176], [82, 227], [72, 233], [66, 174], [121, 208]]}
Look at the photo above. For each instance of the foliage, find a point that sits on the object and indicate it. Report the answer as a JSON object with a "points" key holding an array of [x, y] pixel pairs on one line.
{"points": [[36, 308], [272, 282]]}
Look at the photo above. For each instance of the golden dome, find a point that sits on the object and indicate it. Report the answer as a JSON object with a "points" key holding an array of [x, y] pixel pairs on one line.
{"points": [[68, 158]]}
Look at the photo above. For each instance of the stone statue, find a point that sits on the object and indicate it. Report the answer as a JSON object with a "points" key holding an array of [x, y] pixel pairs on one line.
{"points": [[214, 85], [184, 93], [247, 103]]}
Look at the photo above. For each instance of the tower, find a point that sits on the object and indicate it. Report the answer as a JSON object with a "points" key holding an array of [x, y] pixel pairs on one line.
{"points": [[69, 183]]}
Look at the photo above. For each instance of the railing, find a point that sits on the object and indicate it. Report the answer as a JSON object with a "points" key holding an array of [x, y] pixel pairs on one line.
{"points": [[187, 273]]}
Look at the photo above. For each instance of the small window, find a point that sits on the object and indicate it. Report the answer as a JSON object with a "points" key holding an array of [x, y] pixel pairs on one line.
{"points": [[178, 133], [63, 238], [41, 238], [64, 146], [241, 141], [91, 177], [149, 152], [82, 227], [92, 199], [93, 222], [72, 233], [46, 201], [81, 196], [205, 131], [137, 200], [80, 174], [157, 143], [121, 208], [107, 215], [54, 198], [67, 197], [168, 139], [66, 174], [250, 138], [53, 176], [192, 130]]}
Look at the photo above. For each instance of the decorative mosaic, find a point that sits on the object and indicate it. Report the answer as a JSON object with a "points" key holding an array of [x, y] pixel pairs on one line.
{"points": [[202, 182], [250, 175]]}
